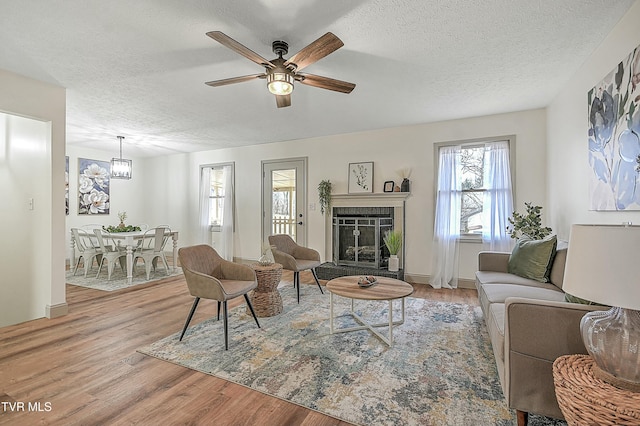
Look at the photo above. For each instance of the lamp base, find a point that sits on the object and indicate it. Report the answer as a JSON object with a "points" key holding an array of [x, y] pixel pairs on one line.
{"points": [[615, 381], [612, 338]]}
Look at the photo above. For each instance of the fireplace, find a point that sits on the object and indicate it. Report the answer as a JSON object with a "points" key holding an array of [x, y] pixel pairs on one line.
{"points": [[358, 236], [365, 253]]}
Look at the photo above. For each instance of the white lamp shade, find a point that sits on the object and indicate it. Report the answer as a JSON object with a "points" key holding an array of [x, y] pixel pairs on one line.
{"points": [[603, 265]]}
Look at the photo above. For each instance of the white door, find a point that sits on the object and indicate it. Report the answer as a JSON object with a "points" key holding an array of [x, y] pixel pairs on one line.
{"points": [[284, 196]]}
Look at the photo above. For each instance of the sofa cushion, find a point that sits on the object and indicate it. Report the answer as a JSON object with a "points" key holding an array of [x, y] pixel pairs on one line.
{"points": [[533, 258], [556, 276], [498, 293], [490, 277]]}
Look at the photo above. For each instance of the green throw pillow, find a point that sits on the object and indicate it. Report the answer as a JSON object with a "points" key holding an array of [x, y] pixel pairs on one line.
{"points": [[533, 258]]}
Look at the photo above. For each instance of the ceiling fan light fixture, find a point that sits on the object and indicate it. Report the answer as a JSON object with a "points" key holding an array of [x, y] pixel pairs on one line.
{"points": [[120, 167], [280, 83]]}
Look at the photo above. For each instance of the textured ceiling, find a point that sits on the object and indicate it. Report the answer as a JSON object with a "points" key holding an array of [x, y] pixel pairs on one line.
{"points": [[137, 68]]}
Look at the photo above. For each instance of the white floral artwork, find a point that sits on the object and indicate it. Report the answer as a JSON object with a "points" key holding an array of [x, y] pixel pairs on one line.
{"points": [[360, 177], [93, 186]]}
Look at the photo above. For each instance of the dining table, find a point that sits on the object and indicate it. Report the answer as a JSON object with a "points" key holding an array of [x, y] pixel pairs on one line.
{"points": [[130, 241]]}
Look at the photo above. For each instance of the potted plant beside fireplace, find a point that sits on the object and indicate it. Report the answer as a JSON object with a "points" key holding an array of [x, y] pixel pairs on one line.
{"points": [[393, 241]]}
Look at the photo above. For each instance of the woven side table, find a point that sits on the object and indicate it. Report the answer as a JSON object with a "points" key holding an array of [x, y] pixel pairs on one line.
{"points": [[587, 400], [266, 298]]}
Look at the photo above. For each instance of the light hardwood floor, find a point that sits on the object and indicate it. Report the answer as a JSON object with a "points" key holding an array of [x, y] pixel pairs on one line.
{"points": [[83, 368]]}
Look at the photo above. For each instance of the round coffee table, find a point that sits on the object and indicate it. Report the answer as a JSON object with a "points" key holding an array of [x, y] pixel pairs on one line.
{"points": [[385, 288], [265, 298]]}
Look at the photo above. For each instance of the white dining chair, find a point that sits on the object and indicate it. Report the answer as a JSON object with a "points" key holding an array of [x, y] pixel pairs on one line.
{"points": [[152, 249], [110, 252], [89, 231], [85, 250]]}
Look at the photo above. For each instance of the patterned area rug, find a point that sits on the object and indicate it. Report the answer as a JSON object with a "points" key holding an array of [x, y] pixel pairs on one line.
{"points": [[118, 278], [440, 370]]}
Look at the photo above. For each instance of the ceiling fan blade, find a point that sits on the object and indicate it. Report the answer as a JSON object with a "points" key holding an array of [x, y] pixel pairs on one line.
{"points": [[227, 41], [326, 83], [283, 100], [315, 51], [233, 80]]}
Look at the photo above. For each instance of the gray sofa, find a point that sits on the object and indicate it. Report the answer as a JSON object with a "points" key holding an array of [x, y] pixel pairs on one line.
{"points": [[530, 325]]}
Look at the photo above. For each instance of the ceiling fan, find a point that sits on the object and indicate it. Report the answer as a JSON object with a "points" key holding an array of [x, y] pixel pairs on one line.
{"points": [[281, 73]]}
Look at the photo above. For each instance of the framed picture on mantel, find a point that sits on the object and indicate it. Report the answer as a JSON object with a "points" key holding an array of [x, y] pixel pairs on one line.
{"points": [[360, 177]]}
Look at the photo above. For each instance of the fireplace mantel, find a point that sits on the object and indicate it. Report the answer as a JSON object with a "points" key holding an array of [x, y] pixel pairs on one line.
{"points": [[381, 199]]}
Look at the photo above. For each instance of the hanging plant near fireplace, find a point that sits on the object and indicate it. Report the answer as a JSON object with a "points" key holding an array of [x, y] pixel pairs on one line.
{"points": [[324, 195]]}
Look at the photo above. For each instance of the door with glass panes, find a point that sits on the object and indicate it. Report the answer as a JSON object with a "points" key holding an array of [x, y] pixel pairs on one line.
{"points": [[284, 198]]}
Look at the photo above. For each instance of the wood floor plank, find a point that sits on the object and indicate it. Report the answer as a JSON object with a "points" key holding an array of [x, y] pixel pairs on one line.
{"points": [[85, 364]]}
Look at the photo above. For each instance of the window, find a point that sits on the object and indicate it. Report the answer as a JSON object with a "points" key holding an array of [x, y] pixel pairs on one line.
{"points": [[474, 201], [216, 196], [473, 161], [216, 207], [472, 168]]}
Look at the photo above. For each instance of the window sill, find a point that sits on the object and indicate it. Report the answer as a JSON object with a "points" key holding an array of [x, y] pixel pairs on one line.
{"points": [[470, 239]]}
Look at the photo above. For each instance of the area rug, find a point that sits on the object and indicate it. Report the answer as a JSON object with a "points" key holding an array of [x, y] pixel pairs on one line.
{"points": [[439, 371], [118, 279]]}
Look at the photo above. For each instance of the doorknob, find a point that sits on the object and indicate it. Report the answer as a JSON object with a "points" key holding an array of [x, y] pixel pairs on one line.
{"points": [[300, 223]]}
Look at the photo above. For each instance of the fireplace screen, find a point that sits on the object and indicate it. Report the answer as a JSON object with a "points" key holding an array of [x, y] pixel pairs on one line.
{"points": [[358, 241]]}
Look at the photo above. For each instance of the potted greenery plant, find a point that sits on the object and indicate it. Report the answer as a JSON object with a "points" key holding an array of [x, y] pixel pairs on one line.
{"points": [[393, 241], [121, 227], [529, 224], [324, 195]]}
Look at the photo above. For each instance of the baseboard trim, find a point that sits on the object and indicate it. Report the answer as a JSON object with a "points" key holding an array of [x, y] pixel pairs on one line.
{"points": [[56, 311], [409, 277], [424, 279]]}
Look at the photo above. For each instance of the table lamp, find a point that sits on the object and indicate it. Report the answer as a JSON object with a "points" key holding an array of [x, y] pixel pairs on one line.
{"points": [[603, 266]]}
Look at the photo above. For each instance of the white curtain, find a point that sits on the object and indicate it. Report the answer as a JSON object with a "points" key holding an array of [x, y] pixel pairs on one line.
{"points": [[498, 199], [226, 251], [447, 222], [205, 202]]}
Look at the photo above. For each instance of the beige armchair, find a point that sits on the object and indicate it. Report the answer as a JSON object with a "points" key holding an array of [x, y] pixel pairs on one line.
{"points": [[294, 257], [209, 276]]}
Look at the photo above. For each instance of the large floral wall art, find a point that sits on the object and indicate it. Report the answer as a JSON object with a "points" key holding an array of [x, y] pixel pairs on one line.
{"points": [[93, 186], [614, 138]]}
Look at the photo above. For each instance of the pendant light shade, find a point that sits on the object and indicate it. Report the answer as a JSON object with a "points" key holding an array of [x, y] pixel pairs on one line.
{"points": [[120, 167]]}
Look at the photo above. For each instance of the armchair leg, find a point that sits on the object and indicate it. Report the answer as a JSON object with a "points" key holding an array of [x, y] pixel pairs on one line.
{"points": [[251, 308], [296, 283], [193, 309], [523, 417], [219, 303], [226, 326], [315, 276]]}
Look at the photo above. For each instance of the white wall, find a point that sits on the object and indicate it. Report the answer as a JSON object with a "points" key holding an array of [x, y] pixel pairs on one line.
{"points": [[567, 121], [328, 158], [31, 166]]}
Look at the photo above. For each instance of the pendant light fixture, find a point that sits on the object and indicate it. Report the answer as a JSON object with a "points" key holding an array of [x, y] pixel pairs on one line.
{"points": [[120, 168]]}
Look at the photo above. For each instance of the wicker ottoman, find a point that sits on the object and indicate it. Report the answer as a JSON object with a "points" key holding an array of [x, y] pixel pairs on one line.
{"points": [[587, 400], [266, 298]]}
